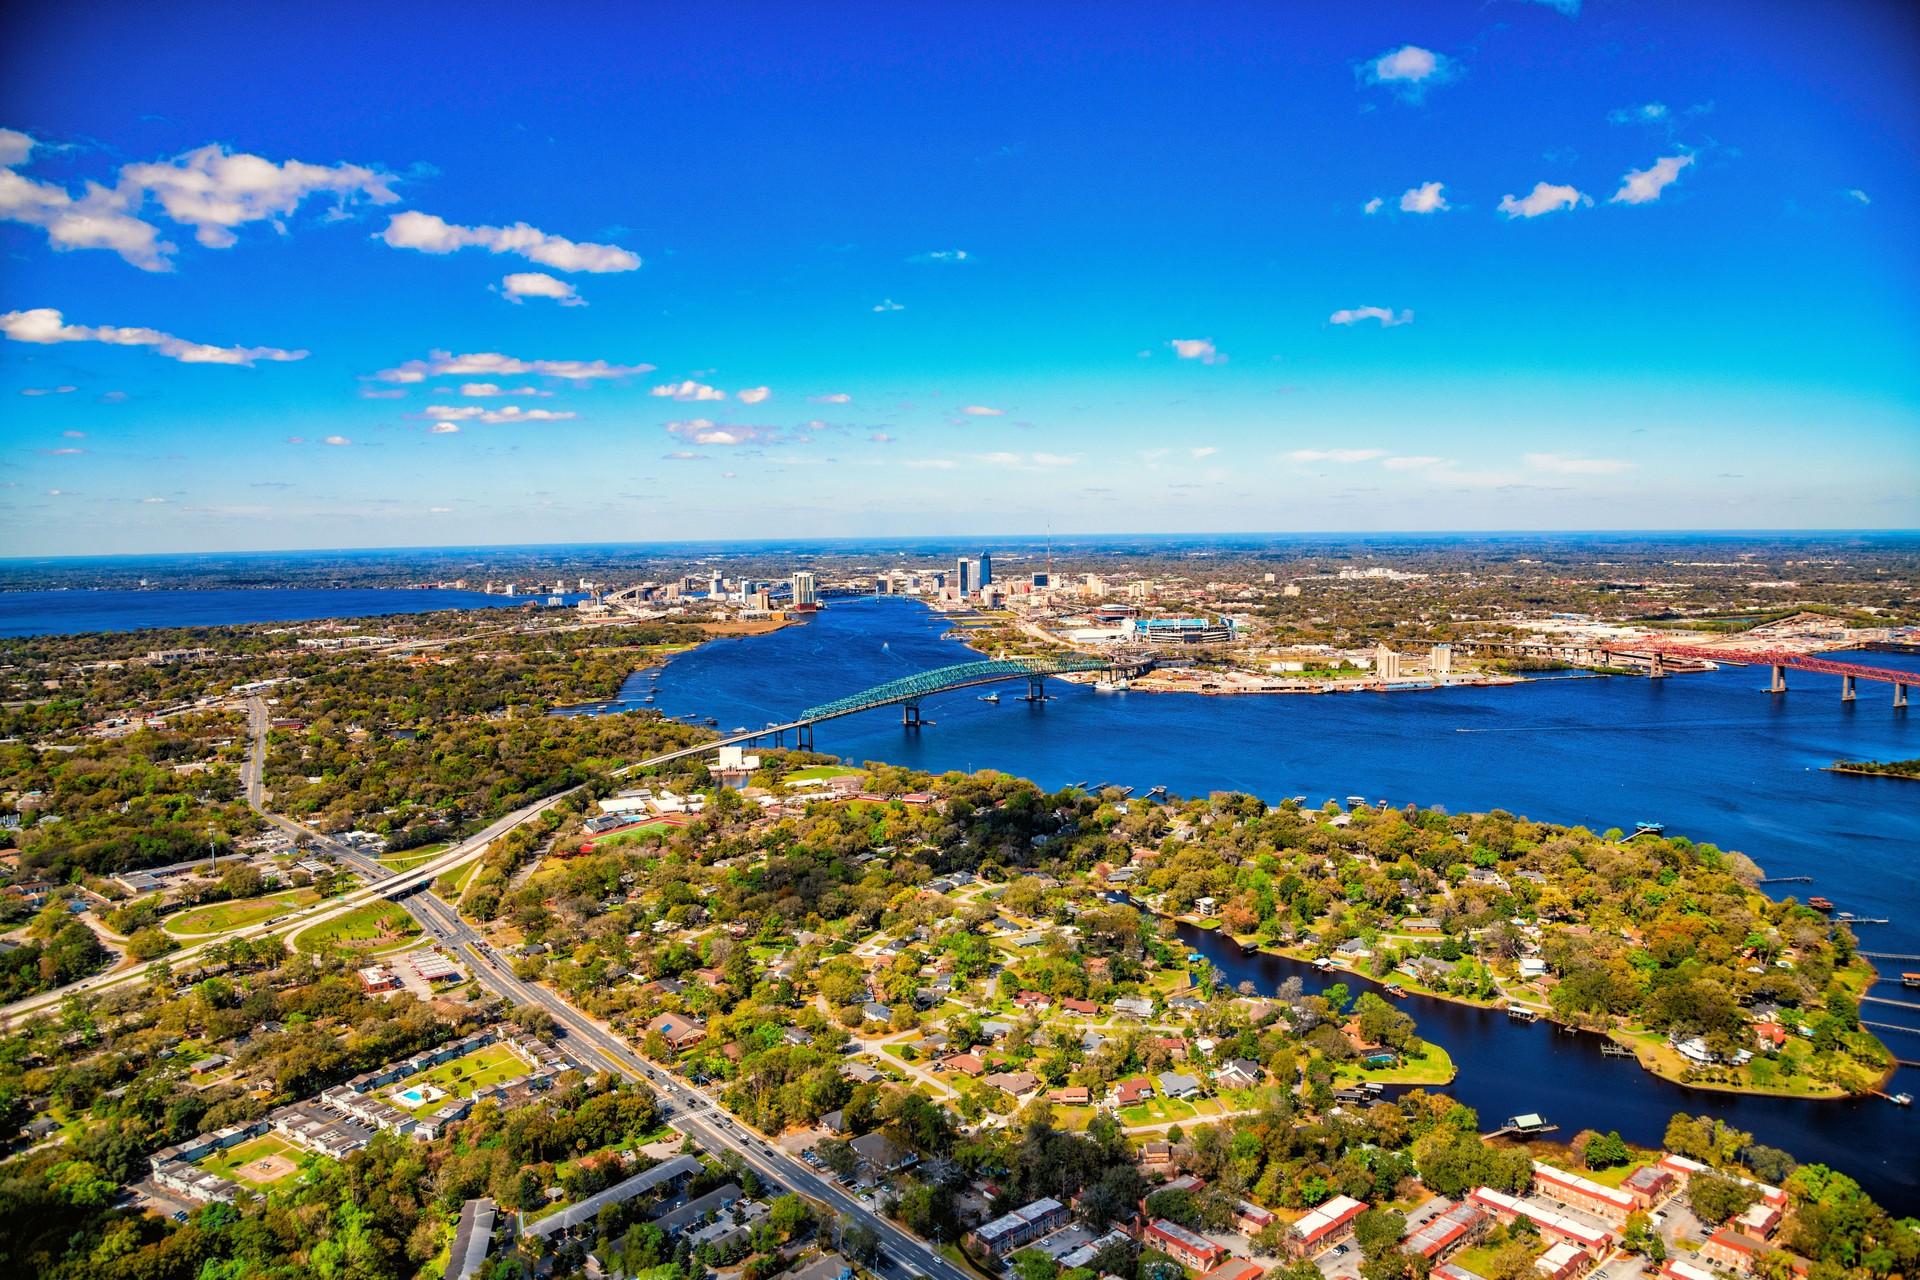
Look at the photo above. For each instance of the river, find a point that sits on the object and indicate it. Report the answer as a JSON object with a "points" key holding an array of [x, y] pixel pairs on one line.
{"points": [[1713, 756]]}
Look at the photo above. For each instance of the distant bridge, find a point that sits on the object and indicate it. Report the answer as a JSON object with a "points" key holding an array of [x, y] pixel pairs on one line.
{"points": [[909, 690], [1656, 653]]}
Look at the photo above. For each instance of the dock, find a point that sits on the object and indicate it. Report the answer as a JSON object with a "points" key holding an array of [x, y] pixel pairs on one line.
{"points": [[1613, 1050], [1521, 1013], [1526, 1126], [1786, 880]]}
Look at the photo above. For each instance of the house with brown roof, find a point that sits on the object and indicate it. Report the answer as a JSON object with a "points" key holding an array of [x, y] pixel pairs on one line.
{"points": [[1128, 1093], [965, 1063], [679, 1030], [1017, 1084], [1077, 1095]]}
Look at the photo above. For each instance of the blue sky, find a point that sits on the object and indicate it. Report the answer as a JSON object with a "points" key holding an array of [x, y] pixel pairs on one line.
{"points": [[388, 275]]}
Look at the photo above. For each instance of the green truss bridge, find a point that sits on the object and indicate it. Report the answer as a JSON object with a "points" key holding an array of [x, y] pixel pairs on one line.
{"points": [[909, 690]]}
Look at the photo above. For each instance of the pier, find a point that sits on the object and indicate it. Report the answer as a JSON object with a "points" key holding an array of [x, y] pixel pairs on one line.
{"points": [[1786, 880]]}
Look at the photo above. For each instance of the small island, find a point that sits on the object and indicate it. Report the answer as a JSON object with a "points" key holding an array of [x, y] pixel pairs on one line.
{"points": [[1878, 768]]}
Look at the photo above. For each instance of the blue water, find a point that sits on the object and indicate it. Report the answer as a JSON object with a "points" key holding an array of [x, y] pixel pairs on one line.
{"points": [[1713, 756], [61, 613]]}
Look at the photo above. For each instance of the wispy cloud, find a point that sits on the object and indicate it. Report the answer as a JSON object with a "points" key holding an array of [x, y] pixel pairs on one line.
{"points": [[984, 411], [493, 364], [753, 395], [1855, 193], [337, 441], [837, 397], [1201, 349], [1385, 315], [46, 391], [888, 304], [931, 464], [430, 234], [1544, 198], [1335, 455], [705, 431], [46, 325], [941, 255], [1204, 451], [447, 413], [1372, 206], [1643, 186], [491, 389], [1413, 462], [1646, 113], [538, 284], [1568, 465]]}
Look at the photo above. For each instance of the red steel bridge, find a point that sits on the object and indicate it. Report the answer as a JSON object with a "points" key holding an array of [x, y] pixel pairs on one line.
{"points": [[1656, 654]]}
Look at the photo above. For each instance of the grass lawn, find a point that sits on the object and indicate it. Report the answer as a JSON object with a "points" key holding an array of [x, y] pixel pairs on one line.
{"points": [[224, 1163], [1477, 1261], [451, 884], [223, 916], [821, 772], [1615, 1176], [1434, 1067], [362, 925], [408, 859], [459, 1078], [1073, 1118], [1156, 1111], [658, 827]]}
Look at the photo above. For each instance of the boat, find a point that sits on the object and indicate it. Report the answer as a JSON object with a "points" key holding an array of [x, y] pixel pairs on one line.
{"points": [[1650, 828], [1111, 686], [1901, 1099], [1395, 990], [1820, 904], [713, 722], [1910, 980], [994, 698]]}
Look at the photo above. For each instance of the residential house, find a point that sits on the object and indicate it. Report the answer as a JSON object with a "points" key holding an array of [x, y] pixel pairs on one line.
{"points": [[1035, 1000], [1239, 1073], [1072, 1096], [1462, 1224], [1087, 1008], [1606, 1203], [1018, 1084], [1249, 1219], [1562, 1261], [1235, 1269], [1734, 1250], [1133, 1007], [828, 1266], [1649, 1186], [1129, 1093], [1175, 1085], [1156, 1155], [965, 1063], [882, 1153]]}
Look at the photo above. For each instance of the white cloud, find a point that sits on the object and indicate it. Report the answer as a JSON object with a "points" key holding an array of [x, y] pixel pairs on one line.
{"points": [[1544, 198], [214, 191], [493, 364], [495, 389], [63, 452], [1201, 349], [438, 511], [1566, 465], [445, 413], [888, 304], [444, 429], [838, 397], [209, 189], [1335, 455], [1409, 70], [153, 500], [689, 390], [683, 455], [984, 411], [1647, 113], [753, 395], [1856, 193], [46, 391], [336, 441], [1372, 206], [375, 393], [705, 431], [1205, 451], [1056, 459], [430, 234], [880, 437], [1643, 186], [1415, 463], [1385, 315], [1425, 198], [538, 284], [941, 255], [44, 324]]}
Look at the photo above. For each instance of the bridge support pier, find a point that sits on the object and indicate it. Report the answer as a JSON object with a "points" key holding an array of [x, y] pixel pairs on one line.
{"points": [[1036, 689], [1846, 689], [803, 737], [910, 714], [1658, 671], [1899, 695], [1779, 684]]}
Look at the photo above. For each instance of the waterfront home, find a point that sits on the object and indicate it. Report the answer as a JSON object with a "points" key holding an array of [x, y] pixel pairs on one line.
{"points": [[1694, 1049]]}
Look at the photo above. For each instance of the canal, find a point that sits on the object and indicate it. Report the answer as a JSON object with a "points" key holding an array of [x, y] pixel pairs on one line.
{"points": [[1711, 756]]}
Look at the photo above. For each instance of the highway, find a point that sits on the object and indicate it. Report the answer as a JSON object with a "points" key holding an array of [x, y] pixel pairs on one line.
{"points": [[687, 1108]]}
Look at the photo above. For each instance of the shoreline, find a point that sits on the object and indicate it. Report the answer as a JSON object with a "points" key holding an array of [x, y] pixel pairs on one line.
{"points": [[1616, 1035], [1869, 773]]}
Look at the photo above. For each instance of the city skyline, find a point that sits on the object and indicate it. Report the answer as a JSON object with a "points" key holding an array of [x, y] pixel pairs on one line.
{"points": [[1507, 266]]}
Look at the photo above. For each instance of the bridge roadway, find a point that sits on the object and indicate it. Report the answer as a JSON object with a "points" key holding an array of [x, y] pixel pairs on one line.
{"points": [[1781, 660], [687, 1108]]}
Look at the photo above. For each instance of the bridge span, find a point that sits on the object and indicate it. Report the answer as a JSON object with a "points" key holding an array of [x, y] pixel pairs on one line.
{"points": [[1656, 654]]}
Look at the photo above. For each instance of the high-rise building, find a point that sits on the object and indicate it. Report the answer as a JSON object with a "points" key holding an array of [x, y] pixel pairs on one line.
{"points": [[803, 589], [1041, 581], [964, 576], [1441, 661], [985, 565], [1387, 663]]}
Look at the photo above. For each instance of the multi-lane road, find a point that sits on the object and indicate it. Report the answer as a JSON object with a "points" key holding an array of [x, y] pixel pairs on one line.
{"points": [[688, 1109]]}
